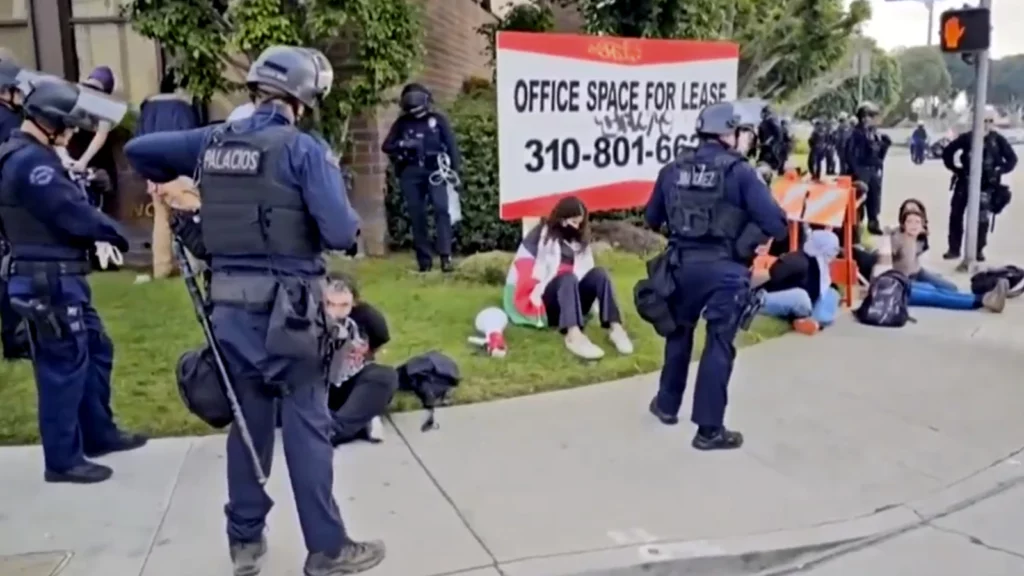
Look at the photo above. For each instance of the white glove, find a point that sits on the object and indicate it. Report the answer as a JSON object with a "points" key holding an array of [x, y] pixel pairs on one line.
{"points": [[107, 254]]}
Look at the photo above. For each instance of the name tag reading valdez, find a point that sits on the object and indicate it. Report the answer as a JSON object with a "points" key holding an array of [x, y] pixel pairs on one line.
{"points": [[233, 161]]}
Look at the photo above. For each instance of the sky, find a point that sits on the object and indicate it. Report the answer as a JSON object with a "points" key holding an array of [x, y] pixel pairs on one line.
{"points": [[905, 23]]}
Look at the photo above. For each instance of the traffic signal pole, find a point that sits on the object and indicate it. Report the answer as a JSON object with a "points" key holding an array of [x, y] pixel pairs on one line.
{"points": [[977, 148]]}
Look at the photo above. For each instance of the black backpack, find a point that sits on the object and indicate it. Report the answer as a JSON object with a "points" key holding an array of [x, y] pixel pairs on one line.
{"points": [[887, 301], [986, 280]]}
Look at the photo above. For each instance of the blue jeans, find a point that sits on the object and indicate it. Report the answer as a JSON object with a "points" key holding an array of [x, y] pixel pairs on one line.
{"points": [[796, 303], [933, 291]]}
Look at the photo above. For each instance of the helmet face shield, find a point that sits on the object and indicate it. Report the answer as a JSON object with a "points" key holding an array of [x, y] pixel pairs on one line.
{"points": [[324, 73]]}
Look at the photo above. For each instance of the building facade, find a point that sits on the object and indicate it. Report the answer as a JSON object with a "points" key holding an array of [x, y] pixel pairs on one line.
{"points": [[70, 37]]}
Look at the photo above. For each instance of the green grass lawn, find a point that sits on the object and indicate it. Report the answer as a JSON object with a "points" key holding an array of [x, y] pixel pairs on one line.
{"points": [[152, 324]]}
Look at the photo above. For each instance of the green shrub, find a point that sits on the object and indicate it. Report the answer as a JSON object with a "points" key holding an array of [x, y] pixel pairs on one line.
{"points": [[474, 118]]}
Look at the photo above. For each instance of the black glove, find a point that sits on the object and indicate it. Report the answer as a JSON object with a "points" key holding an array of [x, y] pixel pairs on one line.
{"points": [[100, 182]]}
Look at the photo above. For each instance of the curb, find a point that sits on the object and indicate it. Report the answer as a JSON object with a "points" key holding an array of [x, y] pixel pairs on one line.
{"points": [[783, 552]]}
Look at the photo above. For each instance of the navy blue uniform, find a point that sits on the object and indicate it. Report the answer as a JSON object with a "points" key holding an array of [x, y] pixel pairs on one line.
{"points": [[413, 145], [709, 280], [998, 159], [918, 144], [770, 141], [866, 151], [51, 227], [303, 173], [9, 319]]}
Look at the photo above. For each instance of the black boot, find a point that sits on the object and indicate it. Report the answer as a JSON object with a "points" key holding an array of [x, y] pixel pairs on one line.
{"points": [[718, 438], [355, 557], [87, 473], [446, 265], [125, 441], [665, 417], [247, 557], [981, 256], [874, 228], [951, 255], [425, 266]]}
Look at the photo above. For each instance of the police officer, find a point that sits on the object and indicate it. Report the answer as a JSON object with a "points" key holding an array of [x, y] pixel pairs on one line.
{"points": [[818, 146], [273, 200], [769, 138], [51, 226], [999, 158], [787, 146], [708, 199], [830, 147], [415, 143], [14, 347], [842, 136], [867, 149], [918, 143]]}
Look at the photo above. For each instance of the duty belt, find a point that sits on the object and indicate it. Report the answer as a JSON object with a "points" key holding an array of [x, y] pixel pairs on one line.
{"points": [[11, 267]]}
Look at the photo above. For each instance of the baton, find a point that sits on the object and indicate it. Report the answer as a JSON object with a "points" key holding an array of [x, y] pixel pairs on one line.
{"points": [[189, 275]]}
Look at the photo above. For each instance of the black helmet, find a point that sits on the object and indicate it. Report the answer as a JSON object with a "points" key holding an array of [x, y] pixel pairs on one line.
{"points": [[301, 73], [415, 98], [54, 105], [867, 109], [718, 119]]}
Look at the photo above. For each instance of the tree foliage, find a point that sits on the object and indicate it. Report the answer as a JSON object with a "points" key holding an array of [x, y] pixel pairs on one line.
{"points": [[374, 45], [784, 44], [839, 90], [529, 17], [923, 73]]}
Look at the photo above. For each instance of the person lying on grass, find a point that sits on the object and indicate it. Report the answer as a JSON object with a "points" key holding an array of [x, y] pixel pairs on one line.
{"points": [[799, 286], [928, 288], [360, 388], [554, 282]]}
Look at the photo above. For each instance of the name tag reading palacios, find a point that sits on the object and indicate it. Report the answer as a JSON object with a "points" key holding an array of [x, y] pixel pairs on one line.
{"points": [[233, 160]]}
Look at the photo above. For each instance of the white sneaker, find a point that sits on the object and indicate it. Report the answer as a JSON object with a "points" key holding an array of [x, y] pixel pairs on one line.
{"points": [[584, 348], [617, 334], [375, 431]]}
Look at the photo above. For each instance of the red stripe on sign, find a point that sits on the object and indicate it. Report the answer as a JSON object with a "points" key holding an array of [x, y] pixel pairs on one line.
{"points": [[623, 51], [617, 196]]}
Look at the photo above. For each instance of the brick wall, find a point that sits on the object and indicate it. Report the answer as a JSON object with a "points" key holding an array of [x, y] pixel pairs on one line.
{"points": [[453, 52]]}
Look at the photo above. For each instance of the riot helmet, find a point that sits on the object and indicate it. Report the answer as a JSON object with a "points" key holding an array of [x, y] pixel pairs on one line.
{"points": [[302, 75], [415, 99], [867, 109], [9, 72], [718, 119]]}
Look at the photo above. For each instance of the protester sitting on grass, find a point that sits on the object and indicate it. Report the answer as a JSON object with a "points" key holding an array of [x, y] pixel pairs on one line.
{"points": [[928, 288], [554, 282], [360, 388], [799, 284]]}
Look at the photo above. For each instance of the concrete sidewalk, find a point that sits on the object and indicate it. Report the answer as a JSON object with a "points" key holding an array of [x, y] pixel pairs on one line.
{"points": [[839, 427]]}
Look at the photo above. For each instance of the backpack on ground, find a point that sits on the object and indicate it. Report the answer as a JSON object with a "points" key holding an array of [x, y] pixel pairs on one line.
{"points": [[887, 301], [985, 281]]}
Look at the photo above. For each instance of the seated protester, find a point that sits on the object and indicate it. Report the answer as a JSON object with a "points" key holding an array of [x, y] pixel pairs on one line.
{"points": [[554, 282], [799, 287], [930, 289], [360, 388], [864, 258]]}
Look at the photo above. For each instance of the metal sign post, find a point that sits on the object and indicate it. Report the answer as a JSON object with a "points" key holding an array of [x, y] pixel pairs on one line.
{"points": [[977, 147], [862, 67]]}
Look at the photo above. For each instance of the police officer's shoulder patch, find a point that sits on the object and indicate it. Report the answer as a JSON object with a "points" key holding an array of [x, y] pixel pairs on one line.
{"points": [[233, 159], [42, 175]]}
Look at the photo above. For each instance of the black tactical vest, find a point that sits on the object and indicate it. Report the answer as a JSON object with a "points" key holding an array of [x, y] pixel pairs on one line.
{"points": [[246, 210], [697, 208], [17, 225]]}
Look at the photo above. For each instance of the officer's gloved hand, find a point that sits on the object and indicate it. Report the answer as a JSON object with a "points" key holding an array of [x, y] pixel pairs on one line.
{"points": [[108, 254]]}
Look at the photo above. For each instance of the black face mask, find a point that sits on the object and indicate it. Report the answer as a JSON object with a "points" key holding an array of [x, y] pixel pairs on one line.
{"points": [[569, 233]]}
